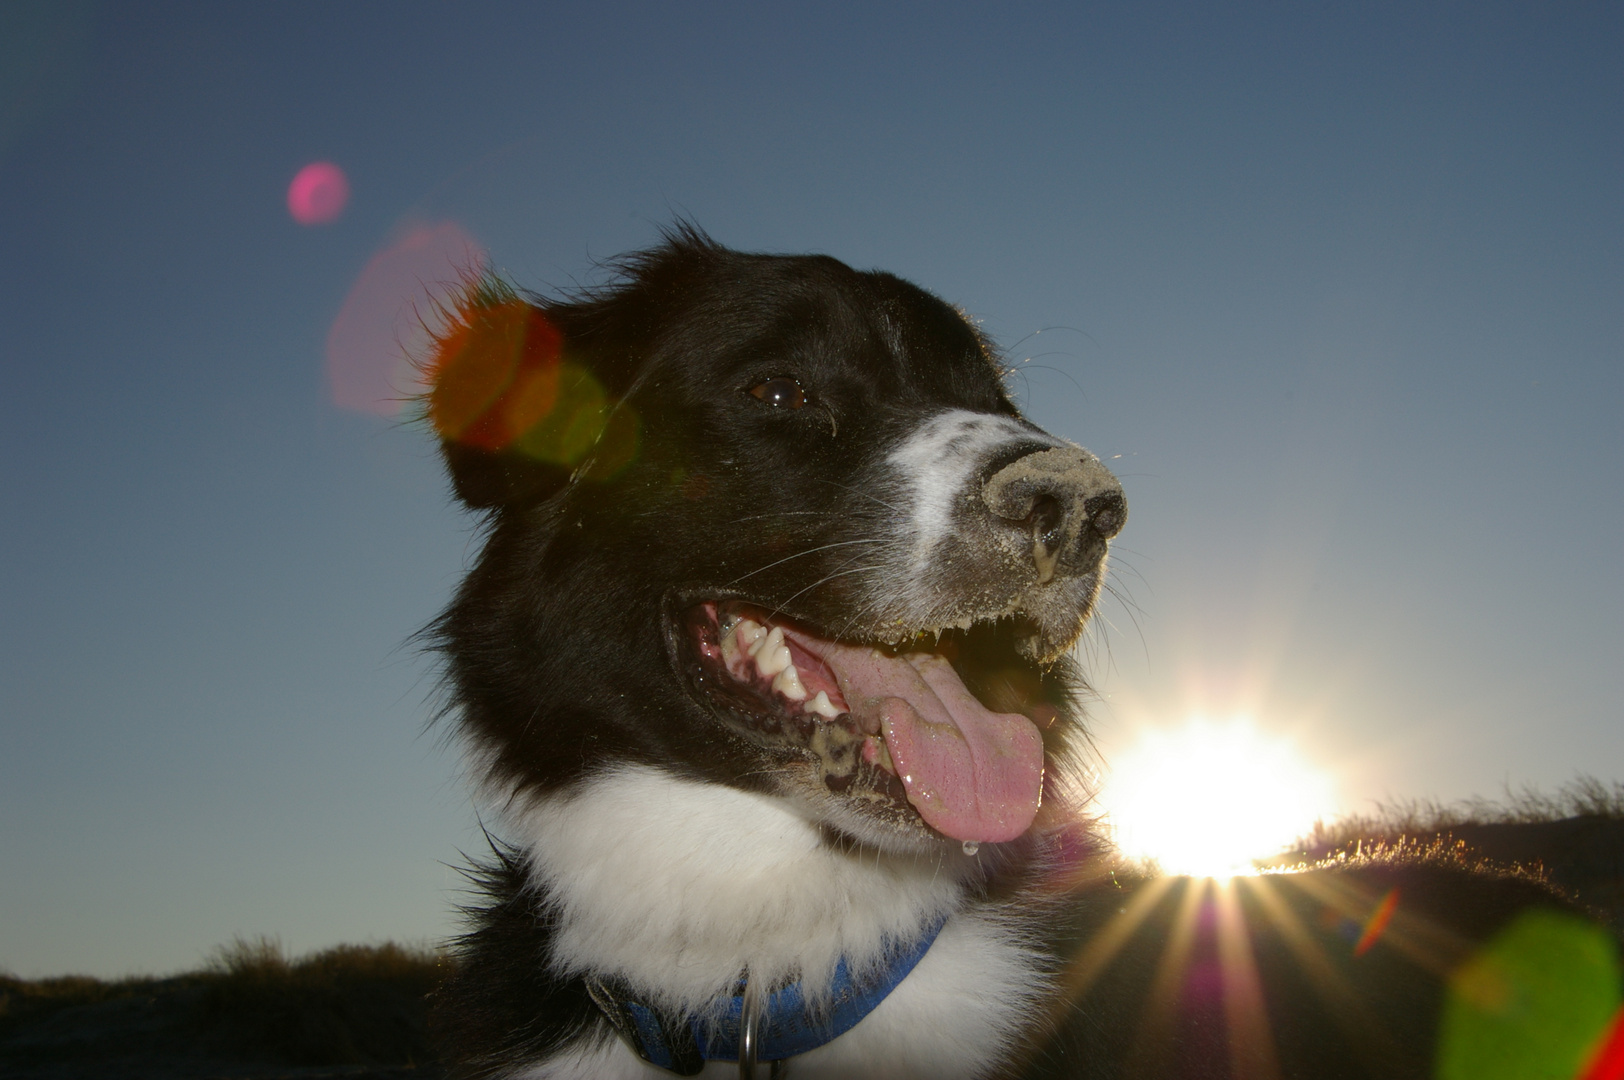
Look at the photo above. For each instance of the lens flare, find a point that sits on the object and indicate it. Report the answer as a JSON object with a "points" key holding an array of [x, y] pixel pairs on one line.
{"points": [[501, 382], [1211, 798], [1375, 926], [1541, 999], [318, 194], [381, 325], [1607, 1059]]}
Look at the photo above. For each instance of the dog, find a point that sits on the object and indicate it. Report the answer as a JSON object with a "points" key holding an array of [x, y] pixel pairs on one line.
{"points": [[766, 664]]}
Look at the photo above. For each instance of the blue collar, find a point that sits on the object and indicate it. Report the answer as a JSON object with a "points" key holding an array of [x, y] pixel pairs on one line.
{"points": [[683, 1044]]}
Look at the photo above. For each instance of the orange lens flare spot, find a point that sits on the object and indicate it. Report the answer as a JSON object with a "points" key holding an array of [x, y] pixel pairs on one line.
{"points": [[1376, 925], [500, 381], [494, 372], [318, 194], [532, 396]]}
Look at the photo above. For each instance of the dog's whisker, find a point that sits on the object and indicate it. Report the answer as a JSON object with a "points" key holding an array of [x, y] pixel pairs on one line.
{"points": [[775, 514], [801, 555], [1133, 611], [863, 494], [823, 581]]}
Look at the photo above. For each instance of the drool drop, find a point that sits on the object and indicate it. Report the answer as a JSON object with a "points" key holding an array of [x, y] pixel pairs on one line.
{"points": [[972, 846]]}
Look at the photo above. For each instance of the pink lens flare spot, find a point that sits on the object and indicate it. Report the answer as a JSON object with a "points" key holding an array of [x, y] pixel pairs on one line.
{"points": [[383, 325], [318, 194]]}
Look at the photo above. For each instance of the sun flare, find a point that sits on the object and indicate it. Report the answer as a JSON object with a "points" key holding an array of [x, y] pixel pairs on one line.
{"points": [[1209, 798]]}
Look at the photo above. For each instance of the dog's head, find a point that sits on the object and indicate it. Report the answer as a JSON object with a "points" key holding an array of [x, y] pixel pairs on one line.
{"points": [[770, 522]]}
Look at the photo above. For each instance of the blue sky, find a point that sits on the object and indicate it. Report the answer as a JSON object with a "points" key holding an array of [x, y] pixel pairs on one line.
{"points": [[1340, 285]]}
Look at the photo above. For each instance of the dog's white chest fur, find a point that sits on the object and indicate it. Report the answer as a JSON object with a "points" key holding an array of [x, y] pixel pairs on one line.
{"points": [[677, 886]]}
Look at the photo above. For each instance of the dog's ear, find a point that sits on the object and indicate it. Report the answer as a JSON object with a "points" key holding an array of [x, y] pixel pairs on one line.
{"points": [[517, 414]]}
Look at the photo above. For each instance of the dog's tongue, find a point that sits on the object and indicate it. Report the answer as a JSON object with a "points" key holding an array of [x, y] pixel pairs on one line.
{"points": [[972, 774]]}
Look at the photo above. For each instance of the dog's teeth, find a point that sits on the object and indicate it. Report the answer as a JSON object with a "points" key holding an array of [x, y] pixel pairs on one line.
{"points": [[788, 683], [750, 634], [771, 654], [820, 705]]}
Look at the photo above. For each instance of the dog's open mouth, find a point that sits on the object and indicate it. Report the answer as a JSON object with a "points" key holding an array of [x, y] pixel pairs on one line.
{"points": [[901, 718]]}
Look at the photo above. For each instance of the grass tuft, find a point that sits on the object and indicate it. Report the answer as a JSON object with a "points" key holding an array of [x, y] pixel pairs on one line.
{"points": [[351, 1004]]}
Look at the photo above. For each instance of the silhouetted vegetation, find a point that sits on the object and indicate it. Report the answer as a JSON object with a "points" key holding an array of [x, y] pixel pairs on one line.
{"points": [[1583, 797], [352, 1004], [1572, 839], [250, 1012]]}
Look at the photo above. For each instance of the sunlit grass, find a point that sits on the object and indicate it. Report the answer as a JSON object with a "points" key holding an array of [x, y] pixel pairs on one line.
{"points": [[1398, 820]]}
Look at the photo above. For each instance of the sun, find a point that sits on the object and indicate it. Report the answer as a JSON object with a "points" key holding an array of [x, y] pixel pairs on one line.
{"points": [[1209, 798]]}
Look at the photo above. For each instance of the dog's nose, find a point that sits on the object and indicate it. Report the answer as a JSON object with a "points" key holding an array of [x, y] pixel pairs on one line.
{"points": [[1065, 500]]}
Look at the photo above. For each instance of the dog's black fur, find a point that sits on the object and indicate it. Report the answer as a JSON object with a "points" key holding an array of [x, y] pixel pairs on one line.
{"points": [[714, 430]]}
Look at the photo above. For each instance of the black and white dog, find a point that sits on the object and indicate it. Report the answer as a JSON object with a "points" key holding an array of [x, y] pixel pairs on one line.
{"points": [[765, 664]]}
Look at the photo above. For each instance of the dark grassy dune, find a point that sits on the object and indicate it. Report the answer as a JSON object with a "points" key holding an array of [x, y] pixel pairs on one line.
{"points": [[352, 1011]]}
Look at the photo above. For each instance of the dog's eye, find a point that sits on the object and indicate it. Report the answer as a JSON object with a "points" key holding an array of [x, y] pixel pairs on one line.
{"points": [[780, 393]]}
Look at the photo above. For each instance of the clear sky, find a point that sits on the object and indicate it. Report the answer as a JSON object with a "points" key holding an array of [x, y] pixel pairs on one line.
{"points": [[1337, 289]]}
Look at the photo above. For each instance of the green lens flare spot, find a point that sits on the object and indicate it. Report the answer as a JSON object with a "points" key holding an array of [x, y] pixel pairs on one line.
{"points": [[1534, 1003]]}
